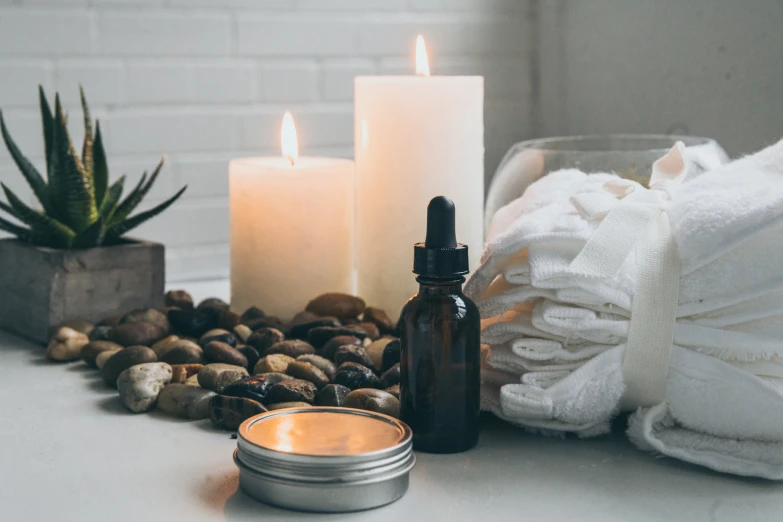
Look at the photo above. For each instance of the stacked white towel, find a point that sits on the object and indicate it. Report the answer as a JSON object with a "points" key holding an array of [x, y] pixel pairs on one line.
{"points": [[555, 333]]}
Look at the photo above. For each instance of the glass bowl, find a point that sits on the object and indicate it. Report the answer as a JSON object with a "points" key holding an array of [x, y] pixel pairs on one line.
{"points": [[628, 155]]}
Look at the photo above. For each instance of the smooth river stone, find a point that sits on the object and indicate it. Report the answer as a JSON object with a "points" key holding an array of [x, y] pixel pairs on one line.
{"points": [[191, 323], [178, 299], [229, 412], [251, 314], [391, 354], [300, 330], [292, 348], [322, 363], [336, 305], [219, 352], [379, 318], [263, 338], [101, 333], [80, 325], [181, 372], [371, 330], [308, 372], [283, 405], [147, 315], [243, 332], [66, 344], [375, 351], [332, 395], [124, 359], [186, 352], [355, 376], [102, 357], [218, 334], [391, 376], [251, 354], [394, 390], [217, 376], [140, 385], [228, 319], [291, 391], [275, 363], [255, 387], [323, 334], [188, 402], [91, 350], [351, 353], [136, 334], [373, 400], [329, 349]]}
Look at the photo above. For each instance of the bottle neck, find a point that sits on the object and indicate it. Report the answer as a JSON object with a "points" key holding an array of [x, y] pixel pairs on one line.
{"points": [[440, 285]]}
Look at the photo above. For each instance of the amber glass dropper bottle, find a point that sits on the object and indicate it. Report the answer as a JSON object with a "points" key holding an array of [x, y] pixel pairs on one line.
{"points": [[440, 329]]}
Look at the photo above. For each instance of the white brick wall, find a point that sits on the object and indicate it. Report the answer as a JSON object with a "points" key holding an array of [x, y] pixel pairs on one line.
{"points": [[203, 81]]}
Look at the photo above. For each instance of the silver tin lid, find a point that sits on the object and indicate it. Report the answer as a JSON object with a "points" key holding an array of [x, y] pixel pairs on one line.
{"points": [[325, 445]]}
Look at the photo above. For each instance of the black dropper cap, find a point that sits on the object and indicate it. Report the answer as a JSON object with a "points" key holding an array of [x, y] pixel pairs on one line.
{"points": [[440, 255]]}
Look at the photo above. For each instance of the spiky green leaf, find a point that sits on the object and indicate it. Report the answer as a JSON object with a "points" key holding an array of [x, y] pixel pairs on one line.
{"points": [[91, 237], [118, 230], [47, 230], [71, 190], [100, 167], [29, 172], [87, 146], [20, 232], [114, 194], [47, 123], [135, 197]]}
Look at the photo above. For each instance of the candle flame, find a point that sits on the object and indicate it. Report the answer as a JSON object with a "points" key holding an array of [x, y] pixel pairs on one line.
{"points": [[289, 140], [422, 64]]}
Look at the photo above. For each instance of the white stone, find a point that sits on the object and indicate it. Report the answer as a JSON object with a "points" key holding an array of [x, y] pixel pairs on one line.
{"points": [[140, 385]]}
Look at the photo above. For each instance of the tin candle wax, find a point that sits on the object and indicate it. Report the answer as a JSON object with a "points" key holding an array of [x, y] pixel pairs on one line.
{"points": [[324, 459], [292, 228]]}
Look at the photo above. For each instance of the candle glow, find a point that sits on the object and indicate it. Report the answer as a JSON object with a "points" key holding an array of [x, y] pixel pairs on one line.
{"points": [[290, 143], [422, 63]]}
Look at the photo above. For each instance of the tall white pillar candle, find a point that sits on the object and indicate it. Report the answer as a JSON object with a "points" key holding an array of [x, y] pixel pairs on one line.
{"points": [[416, 137], [292, 231]]}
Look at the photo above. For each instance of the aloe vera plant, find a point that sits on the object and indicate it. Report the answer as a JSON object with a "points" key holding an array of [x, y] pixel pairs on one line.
{"points": [[79, 208]]}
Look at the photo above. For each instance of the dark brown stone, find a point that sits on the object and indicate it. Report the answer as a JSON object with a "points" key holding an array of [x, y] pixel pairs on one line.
{"points": [[184, 353], [178, 299], [217, 352], [191, 323], [212, 303], [250, 314], [379, 318], [112, 320], [391, 376], [229, 412], [124, 359], [228, 319], [218, 334], [372, 331], [263, 338], [394, 390], [292, 390], [301, 330], [292, 348], [268, 322], [136, 334], [101, 333], [329, 349], [352, 353], [321, 335], [255, 387], [373, 400], [391, 355], [355, 376], [251, 354], [336, 305], [308, 372], [91, 350], [148, 315], [332, 395]]}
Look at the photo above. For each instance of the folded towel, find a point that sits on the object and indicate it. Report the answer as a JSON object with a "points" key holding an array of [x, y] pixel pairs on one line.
{"points": [[563, 350]]}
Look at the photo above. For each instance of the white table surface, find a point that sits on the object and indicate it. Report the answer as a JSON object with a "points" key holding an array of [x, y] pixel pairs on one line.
{"points": [[69, 451]]}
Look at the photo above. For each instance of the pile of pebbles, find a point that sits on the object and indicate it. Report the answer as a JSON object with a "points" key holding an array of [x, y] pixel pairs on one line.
{"points": [[205, 361]]}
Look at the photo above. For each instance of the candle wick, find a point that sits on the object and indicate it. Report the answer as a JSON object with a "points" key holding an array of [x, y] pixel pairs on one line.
{"points": [[291, 159]]}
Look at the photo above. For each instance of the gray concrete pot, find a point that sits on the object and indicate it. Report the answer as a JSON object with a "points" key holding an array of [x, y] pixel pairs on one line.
{"points": [[41, 287]]}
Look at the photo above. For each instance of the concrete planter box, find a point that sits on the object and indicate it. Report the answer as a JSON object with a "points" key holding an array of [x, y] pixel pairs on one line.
{"points": [[41, 287]]}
